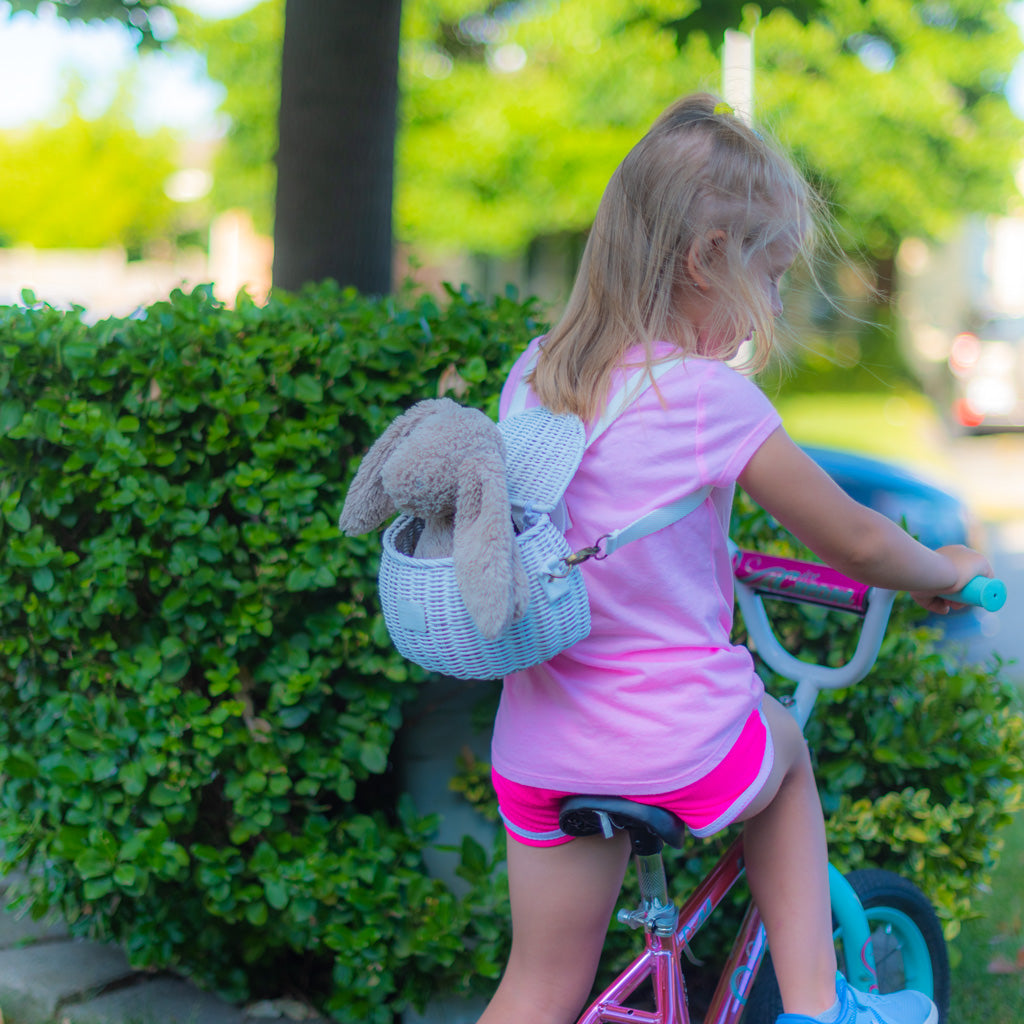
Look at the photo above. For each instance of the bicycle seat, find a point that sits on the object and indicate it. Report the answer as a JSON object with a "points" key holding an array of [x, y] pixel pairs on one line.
{"points": [[648, 827]]}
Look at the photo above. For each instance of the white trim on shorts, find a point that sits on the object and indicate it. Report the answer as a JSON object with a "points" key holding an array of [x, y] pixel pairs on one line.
{"points": [[740, 804], [536, 837]]}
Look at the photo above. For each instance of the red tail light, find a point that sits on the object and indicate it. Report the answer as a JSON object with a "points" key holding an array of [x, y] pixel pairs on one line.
{"points": [[966, 414]]}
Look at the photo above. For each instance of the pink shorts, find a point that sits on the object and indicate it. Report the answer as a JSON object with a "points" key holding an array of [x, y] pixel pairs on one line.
{"points": [[706, 806]]}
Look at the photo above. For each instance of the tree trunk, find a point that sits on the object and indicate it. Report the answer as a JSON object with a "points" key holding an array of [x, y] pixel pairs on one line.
{"points": [[335, 162]]}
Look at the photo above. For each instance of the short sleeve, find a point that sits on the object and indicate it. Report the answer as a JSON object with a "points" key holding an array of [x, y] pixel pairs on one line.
{"points": [[733, 419]]}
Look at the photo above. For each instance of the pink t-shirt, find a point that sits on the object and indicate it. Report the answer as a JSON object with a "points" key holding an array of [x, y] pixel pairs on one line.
{"points": [[656, 695]]}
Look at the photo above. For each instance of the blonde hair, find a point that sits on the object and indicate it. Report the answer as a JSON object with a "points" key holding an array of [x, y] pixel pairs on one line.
{"points": [[699, 173]]}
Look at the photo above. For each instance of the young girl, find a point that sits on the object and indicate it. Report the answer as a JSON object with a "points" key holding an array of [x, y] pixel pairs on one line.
{"points": [[694, 233]]}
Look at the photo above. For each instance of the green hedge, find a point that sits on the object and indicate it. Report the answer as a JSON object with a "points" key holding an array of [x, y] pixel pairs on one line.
{"points": [[199, 702], [198, 697]]}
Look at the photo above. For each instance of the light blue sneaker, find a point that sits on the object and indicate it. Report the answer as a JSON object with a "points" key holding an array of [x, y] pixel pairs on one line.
{"points": [[855, 1007]]}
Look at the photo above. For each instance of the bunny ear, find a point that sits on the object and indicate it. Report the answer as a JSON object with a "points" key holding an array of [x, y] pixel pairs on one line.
{"points": [[367, 504], [485, 556]]}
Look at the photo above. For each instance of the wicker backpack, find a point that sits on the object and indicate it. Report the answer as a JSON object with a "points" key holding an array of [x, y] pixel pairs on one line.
{"points": [[425, 615]]}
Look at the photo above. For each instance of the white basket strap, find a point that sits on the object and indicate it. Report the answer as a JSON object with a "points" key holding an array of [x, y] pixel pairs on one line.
{"points": [[635, 384], [517, 403], [656, 520]]}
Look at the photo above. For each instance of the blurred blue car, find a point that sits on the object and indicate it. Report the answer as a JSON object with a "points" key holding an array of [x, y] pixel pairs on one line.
{"points": [[931, 514]]}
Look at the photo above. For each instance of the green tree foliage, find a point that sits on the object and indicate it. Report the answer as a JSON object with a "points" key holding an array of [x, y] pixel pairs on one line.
{"points": [[893, 106], [515, 121], [245, 53], [897, 109], [86, 183], [513, 116], [336, 125], [150, 20]]}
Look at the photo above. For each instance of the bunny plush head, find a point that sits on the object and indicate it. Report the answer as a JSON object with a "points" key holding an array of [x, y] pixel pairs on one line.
{"points": [[445, 464]]}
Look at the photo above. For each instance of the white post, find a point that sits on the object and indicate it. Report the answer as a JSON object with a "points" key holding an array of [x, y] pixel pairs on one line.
{"points": [[738, 73]]}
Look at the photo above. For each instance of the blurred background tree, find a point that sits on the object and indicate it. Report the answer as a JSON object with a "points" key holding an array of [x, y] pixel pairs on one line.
{"points": [[335, 123], [514, 120], [899, 111], [513, 115], [87, 183], [244, 53], [149, 20]]}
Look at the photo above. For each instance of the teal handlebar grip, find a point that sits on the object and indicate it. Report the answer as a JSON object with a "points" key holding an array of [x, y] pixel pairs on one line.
{"points": [[982, 591]]}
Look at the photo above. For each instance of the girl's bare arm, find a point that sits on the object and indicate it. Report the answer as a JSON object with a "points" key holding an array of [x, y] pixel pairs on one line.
{"points": [[852, 538]]}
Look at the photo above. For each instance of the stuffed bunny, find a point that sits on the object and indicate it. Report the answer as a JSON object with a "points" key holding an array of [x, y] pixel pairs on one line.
{"points": [[445, 464]]}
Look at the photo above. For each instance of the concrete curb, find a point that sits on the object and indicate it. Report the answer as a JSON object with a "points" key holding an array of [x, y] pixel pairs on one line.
{"points": [[47, 977]]}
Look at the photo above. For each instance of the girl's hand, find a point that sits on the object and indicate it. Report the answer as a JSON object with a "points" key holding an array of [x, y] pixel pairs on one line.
{"points": [[967, 563]]}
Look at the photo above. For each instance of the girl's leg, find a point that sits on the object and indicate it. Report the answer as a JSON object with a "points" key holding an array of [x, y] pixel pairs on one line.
{"points": [[562, 899], [787, 869]]}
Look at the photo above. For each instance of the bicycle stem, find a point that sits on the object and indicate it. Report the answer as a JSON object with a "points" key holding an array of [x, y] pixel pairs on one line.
{"points": [[811, 679]]}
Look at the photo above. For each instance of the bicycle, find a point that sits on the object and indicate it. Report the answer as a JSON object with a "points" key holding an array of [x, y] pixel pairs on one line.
{"points": [[887, 934]]}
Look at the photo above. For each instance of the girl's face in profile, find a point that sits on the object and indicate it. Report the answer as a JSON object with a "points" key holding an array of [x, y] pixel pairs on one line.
{"points": [[769, 266], [706, 301], [765, 271]]}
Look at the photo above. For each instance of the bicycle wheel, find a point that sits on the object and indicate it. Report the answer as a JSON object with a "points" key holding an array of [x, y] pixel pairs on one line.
{"points": [[907, 941]]}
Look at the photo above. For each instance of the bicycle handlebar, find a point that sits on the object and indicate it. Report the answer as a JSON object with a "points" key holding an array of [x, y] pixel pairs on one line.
{"points": [[982, 591], [807, 582], [811, 583], [793, 580]]}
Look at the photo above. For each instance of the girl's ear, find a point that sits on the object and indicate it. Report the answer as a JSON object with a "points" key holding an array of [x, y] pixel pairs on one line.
{"points": [[702, 253]]}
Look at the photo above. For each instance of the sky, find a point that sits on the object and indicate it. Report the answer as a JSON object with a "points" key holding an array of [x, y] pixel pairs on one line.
{"points": [[37, 54]]}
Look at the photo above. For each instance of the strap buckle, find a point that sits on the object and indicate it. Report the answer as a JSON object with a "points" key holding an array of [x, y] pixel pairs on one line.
{"points": [[578, 557]]}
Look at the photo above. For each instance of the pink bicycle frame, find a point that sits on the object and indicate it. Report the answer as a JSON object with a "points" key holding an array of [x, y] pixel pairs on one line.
{"points": [[660, 960]]}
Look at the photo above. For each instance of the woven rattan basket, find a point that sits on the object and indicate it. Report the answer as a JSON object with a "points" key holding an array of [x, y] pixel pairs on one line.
{"points": [[423, 609], [428, 621]]}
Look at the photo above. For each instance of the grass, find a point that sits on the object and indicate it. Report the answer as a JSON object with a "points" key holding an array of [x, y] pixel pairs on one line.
{"points": [[988, 981]]}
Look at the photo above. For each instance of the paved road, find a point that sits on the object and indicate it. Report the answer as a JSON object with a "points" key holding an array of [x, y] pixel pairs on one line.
{"points": [[989, 473]]}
